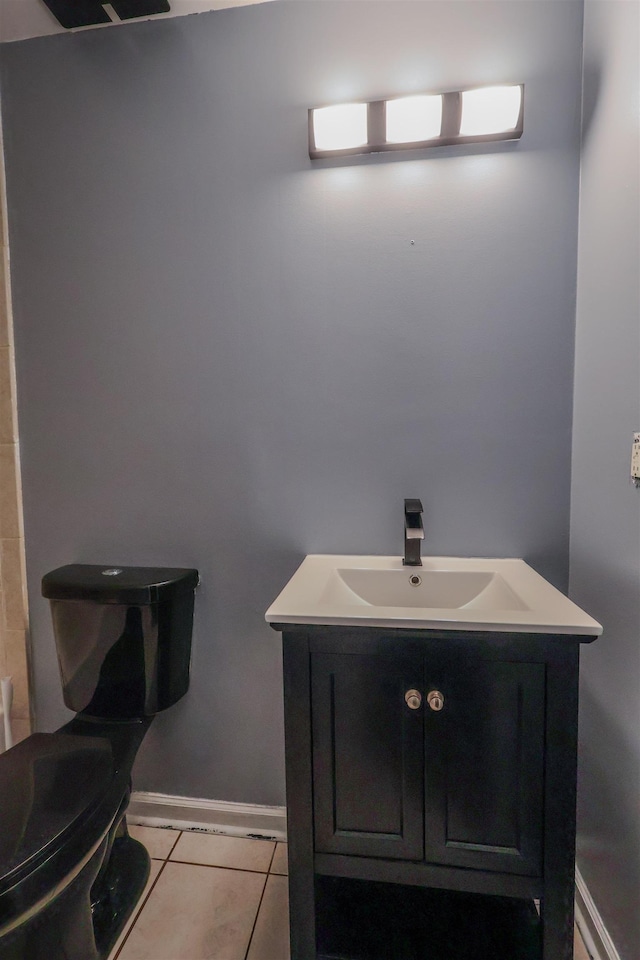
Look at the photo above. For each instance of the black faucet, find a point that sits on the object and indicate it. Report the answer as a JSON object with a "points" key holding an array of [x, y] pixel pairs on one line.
{"points": [[413, 533]]}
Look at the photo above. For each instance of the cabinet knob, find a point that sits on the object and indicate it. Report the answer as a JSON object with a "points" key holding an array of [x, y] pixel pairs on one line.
{"points": [[413, 699], [435, 700]]}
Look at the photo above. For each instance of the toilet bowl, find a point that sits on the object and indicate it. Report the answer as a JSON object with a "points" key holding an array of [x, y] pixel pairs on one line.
{"points": [[70, 874]]}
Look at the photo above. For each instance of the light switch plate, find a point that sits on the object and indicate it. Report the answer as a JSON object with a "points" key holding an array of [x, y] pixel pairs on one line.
{"points": [[635, 458]]}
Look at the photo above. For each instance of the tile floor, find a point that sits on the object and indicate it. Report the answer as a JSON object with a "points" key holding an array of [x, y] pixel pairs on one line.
{"points": [[212, 897]]}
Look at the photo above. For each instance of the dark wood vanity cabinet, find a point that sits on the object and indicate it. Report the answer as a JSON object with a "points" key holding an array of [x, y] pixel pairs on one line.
{"points": [[460, 786], [476, 797]]}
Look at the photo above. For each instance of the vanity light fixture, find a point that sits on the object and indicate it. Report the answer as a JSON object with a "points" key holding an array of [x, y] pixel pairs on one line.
{"points": [[426, 120]]}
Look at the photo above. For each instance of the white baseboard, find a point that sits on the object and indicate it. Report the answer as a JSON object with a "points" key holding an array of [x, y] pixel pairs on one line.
{"points": [[591, 926], [208, 816]]}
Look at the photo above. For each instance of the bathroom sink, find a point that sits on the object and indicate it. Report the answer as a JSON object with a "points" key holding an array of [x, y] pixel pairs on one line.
{"points": [[414, 587], [446, 593]]}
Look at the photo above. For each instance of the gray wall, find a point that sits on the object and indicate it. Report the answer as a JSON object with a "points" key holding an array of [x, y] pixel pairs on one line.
{"points": [[605, 518], [229, 358]]}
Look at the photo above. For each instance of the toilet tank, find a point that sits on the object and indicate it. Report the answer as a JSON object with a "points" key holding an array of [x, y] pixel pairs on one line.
{"points": [[123, 636]]}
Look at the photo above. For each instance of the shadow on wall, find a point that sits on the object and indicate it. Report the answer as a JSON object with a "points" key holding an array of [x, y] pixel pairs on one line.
{"points": [[605, 821], [592, 82]]}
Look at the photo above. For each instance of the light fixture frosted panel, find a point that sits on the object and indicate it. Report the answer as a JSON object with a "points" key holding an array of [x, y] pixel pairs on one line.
{"points": [[490, 110], [342, 127], [413, 119]]}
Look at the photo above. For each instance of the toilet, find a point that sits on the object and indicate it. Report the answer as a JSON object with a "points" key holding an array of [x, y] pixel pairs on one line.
{"points": [[70, 874]]}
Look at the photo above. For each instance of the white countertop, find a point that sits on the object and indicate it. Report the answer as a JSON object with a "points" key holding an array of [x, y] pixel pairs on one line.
{"points": [[480, 594]]}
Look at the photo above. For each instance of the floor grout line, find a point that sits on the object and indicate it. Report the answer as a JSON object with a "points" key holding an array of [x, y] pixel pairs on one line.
{"points": [[175, 844], [137, 912], [271, 873], [255, 919], [219, 866], [273, 855]]}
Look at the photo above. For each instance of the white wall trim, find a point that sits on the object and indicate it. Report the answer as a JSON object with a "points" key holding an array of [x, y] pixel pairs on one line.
{"points": [[591, 926], [208, 816]]}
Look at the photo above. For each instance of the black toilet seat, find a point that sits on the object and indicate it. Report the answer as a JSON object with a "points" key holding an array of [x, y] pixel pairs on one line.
{"points": [[50, 785]]}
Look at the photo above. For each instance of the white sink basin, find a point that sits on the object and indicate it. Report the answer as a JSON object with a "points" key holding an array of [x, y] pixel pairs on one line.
{"points": [[429, 589], [445, 593]]}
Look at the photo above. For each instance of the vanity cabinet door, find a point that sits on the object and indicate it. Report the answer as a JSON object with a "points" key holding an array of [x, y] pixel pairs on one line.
{"points": [[367, 756], [484, 754]]}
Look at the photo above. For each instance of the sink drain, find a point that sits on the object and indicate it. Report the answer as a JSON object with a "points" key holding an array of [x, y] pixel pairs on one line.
{"points": [[415, 580]]}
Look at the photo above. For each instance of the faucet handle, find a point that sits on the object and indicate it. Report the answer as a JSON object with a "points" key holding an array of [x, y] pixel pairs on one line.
{"points": [[413, 507]]}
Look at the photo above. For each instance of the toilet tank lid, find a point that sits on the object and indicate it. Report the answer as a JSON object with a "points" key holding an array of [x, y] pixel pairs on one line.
{"points": [[116, 584]]}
